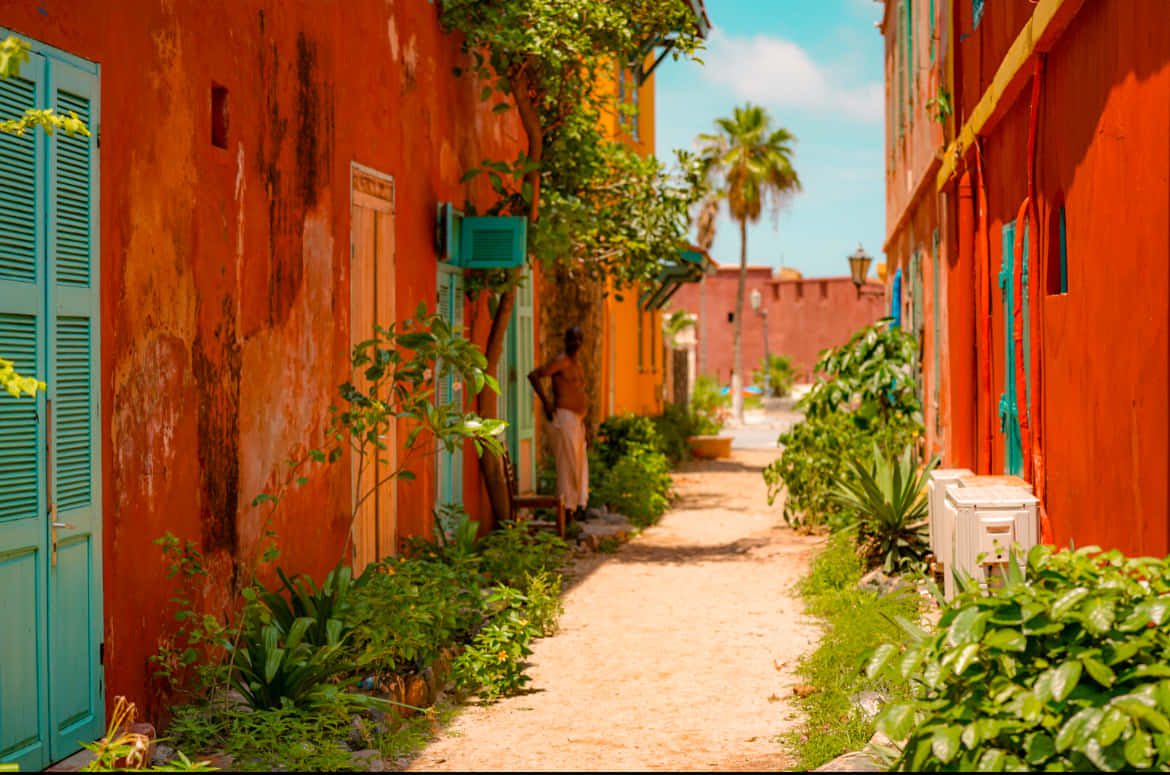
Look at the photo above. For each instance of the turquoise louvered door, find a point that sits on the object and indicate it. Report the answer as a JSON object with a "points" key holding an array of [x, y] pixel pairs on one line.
{"points": [[24, 548], [76, 707], [50, 518], [516, 396], [449, 478], [524, 418]]}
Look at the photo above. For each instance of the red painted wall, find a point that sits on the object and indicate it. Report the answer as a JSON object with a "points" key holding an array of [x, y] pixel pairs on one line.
{"points": [[225, 273], [804, 317], [1102, 153]]}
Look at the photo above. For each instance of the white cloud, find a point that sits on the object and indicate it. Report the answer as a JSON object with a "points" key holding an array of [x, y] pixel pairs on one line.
{"points": [[778, 73]]}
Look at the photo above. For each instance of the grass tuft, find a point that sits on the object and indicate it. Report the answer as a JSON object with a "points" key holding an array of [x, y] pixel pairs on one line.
{"points": [[855, 623]]}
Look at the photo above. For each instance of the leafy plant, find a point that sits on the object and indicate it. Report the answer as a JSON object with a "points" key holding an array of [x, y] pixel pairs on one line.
{"points": [[493, 665], [674, 426], [638, 486], [1063, 668], [542, 590], [511, 554], [889, 494], [871, 375], [939, 106], [193, 654], [407, 611], [394, 383], [274, 663], [865, 396], [621, 433], [709, 405], [326, 606], [780, 374]]}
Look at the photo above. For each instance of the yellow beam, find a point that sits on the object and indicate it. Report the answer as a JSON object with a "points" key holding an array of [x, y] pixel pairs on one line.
{"points": [[1039, 34]]}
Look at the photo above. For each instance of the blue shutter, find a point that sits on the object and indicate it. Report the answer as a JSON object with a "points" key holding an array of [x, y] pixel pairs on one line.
{"points": [[75, 624], [23, 530], [896, 300]]}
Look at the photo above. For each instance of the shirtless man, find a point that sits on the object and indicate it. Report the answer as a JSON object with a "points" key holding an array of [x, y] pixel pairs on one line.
{"points": [[566, 415]]}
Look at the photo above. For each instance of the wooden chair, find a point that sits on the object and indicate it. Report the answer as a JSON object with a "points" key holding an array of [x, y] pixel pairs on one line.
{"points": [[518, 503]]}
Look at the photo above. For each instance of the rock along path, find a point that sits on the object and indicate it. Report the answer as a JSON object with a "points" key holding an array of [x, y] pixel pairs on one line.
{"points": [[676, 653]]}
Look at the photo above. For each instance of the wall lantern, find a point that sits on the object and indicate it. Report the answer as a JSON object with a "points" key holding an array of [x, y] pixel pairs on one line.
{"points": [[756, 299], [859, 267]]}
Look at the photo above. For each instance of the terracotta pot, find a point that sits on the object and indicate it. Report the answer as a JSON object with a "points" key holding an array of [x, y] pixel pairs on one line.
{"points": [[710, 447]]}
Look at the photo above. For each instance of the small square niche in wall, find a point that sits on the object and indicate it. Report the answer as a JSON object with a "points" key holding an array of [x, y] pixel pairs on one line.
{"points": [[219, 115]]}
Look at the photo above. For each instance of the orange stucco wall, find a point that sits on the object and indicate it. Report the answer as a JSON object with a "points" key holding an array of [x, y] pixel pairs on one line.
{"points": [[1103, 131], [224, 283]]}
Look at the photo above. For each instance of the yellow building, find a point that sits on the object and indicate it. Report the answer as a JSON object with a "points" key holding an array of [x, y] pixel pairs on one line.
{"points": [[633, 352]]}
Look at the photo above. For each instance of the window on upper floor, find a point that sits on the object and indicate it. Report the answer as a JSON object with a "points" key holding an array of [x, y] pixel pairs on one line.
{"points": [[976, 12], [628, 97]]}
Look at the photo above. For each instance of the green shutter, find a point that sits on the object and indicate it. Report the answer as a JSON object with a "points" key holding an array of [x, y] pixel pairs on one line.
{"points": [[516, 397], [23, 533], [49, 326], [449, 465], [75, 624], [936, 307]]}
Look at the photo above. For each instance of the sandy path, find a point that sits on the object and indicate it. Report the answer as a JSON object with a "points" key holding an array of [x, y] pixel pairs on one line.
{"points": [[668, 651]]}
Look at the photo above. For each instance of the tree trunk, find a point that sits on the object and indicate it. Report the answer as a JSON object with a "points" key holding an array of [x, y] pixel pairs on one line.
{"points": [[737, 374], [491, 467]]}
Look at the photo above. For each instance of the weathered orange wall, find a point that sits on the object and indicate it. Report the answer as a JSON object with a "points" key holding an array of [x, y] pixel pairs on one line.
{"points": [[1104, 131], [225, 296]]}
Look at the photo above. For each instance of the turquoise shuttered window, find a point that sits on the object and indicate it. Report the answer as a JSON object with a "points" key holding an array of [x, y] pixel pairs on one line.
{"points": [[1063, 255], [976, 12]]}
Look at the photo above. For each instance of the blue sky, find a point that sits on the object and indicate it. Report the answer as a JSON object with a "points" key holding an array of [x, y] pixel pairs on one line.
{"points": [[816, 65]]}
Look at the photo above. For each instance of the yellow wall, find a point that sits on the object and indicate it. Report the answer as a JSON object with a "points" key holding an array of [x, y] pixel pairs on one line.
{"points": [[633, 385]]}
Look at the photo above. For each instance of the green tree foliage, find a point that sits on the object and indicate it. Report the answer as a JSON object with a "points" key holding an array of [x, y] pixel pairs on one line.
{"points": [[748, 163], [780, 374], [591, 202]]}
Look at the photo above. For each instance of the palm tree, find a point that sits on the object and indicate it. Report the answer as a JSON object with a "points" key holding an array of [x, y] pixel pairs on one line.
{"points": [[748, 162]]}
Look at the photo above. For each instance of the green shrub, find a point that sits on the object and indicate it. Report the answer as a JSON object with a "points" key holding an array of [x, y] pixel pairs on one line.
{"points": [[889, 494], [709, 404], [780, 374], [675, 425], [637, 486], [1067, 668], [619, 434], [407, 611], [510, 554], [867, 397], [493, 665]]}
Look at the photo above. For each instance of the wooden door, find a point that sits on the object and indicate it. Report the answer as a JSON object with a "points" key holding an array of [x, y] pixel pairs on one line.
{"points": [[371, 287]]}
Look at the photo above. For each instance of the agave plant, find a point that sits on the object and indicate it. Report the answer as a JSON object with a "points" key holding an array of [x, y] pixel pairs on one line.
{"points": [[889, 494]]}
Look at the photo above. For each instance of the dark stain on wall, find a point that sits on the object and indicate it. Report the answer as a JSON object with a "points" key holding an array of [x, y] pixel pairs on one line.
{"points": [[216, 365], [308, 121]]}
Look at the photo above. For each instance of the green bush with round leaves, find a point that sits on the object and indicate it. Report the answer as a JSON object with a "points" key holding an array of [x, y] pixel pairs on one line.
{"points": [[1066, 667]]}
